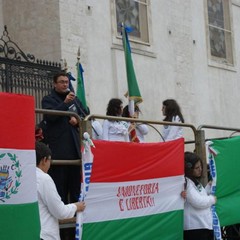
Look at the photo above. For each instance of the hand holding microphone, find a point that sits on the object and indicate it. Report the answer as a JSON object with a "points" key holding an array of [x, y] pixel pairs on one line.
{"points": [[70, 96]]}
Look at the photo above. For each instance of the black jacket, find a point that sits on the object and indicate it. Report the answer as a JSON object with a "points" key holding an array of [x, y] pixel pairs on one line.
{"points": [[62, 137]]}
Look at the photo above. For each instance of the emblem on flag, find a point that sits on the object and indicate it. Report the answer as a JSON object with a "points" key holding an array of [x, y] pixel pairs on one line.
{"points": [[10, 175]]}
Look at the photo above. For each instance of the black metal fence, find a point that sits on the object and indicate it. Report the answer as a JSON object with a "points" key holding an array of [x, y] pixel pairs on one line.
{"points": [[23, 74]]}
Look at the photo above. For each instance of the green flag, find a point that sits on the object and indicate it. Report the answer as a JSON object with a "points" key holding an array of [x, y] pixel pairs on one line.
{"points": [[80, 86], [133, 89], [227, 171]]}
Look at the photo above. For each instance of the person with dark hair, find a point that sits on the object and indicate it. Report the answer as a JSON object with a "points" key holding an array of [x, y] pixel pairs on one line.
{"points": [[51, 208], [63, 136], [115, 130], [198, 222], [172, 112], [137, 131]]}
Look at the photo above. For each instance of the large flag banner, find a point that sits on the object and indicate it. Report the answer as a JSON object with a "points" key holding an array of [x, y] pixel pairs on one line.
{"points": [[133, 89], [80, 86], [134, 192], [224, 158], [18, 189]]}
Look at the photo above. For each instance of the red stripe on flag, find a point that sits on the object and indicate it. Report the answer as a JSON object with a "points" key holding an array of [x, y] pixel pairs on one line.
{"points": [[120, 161], [17, 121]]}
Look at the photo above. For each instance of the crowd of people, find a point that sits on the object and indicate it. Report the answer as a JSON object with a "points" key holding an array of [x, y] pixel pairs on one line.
{"points": [[59, 191]]}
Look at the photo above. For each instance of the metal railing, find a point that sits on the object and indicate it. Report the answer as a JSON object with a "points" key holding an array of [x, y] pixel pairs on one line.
{"points": [[64, 113], [84, 125]]}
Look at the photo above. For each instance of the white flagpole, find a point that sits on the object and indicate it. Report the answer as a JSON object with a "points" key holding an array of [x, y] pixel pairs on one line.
{"points": [[87, 161]]}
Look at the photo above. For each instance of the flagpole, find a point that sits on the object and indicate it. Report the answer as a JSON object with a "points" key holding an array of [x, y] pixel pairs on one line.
{"points": [[87, 161]]}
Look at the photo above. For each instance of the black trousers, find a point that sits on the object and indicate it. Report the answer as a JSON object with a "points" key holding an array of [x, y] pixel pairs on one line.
{"points": [[68, 182], [198, 234]]}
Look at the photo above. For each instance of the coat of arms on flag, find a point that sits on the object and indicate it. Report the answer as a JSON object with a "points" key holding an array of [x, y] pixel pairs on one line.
{"points": [[18, 189]]}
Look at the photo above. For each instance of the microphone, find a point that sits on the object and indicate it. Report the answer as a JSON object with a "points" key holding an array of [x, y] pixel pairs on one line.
{"points": [[67, 91]]}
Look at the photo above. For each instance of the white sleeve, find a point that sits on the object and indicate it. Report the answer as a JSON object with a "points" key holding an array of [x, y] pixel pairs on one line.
{"points": [[53, 201], [105, 130], [97, 130], [196, 199], [174, 132], [142, 128]]}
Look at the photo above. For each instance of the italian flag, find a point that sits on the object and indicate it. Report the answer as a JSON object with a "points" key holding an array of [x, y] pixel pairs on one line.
{"points": [[18, 192], [134, 191]]}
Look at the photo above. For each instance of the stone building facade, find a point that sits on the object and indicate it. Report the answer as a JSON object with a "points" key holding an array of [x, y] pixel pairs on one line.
{"points": [[188, 50]]}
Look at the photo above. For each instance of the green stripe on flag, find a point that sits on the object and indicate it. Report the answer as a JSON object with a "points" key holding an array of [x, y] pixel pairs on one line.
{"points": [[228, 178], [133, 89], [25, 220], [166, 226]]}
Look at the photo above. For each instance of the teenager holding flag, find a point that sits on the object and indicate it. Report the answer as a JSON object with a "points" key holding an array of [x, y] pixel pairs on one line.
{"points": [[137, 131], [198, 221]]}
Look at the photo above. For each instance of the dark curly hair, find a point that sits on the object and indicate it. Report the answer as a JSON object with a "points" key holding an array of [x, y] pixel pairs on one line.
{"points": [[172, 109], [191, 159], [42, 151], [126, 112], [59, 74], [114, 107]]}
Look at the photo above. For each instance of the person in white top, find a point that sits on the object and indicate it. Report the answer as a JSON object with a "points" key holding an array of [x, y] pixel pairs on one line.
{"points": [[51, 208], [115, 130], [137, 131], [198, 221], [172, 112], [97, 130]]}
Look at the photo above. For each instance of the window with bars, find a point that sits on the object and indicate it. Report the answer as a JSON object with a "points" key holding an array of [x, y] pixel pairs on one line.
{"points": [[133, 13], [220, 31]]}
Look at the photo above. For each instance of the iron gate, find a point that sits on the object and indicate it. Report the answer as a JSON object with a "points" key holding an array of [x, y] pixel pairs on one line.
{"points": [[22, 73]]}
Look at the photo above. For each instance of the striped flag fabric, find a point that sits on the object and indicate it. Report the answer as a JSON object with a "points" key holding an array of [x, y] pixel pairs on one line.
{"points": [[133, 89], [87, 161], [134, 192], [18, 189], [224, 161]]}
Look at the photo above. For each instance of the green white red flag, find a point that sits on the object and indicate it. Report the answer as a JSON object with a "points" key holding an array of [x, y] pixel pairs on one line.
{"points": [[134, 192], [18, 189]]}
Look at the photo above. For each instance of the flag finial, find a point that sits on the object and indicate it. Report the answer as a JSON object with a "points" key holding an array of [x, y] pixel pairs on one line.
{"points": [[65, 65], [78, 54]]}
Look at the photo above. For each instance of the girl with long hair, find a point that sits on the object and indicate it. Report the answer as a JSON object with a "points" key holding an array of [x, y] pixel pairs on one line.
{"points": [[115, 130], [172, 112]]}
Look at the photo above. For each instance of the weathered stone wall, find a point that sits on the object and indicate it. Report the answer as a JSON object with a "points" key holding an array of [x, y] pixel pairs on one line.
{"points": [[175, 65]]}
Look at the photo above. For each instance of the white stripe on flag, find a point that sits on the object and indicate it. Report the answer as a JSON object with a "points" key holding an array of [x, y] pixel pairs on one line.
{"points": [[119, 200], [18, 170]]}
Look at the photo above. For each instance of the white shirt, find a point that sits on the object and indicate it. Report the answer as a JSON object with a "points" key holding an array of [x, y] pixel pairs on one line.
{"points": [[141, 130], [51, 208], [172, 132], [197, 207], [97, 130], [115, 131]]}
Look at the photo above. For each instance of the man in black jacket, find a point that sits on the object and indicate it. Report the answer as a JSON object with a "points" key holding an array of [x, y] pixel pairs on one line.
{"points": [[63, 136]]}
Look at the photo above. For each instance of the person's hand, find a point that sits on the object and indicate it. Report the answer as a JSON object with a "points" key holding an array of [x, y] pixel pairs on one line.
{"points": [[210, 183], [73, 121], [215, 199], [132, 127], [184, 194], [80, 206], [70, 97]]}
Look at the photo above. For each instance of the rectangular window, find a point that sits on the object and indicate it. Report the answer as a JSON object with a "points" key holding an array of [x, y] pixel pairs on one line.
{"points": [[133, 13], [220, 32]]}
